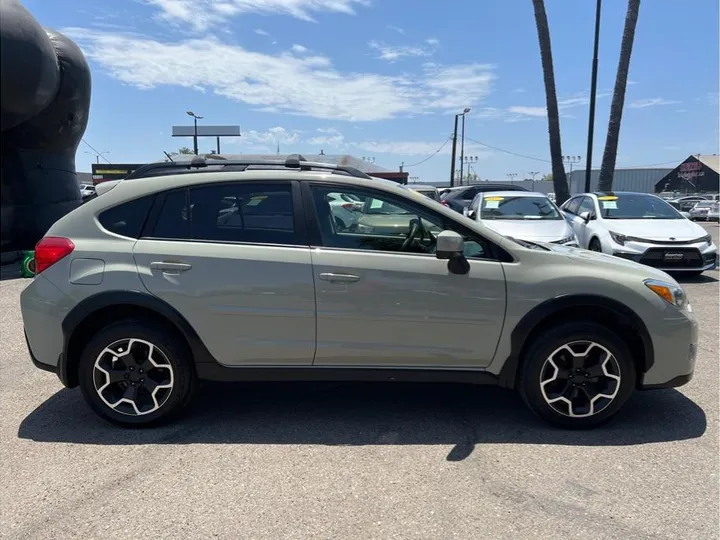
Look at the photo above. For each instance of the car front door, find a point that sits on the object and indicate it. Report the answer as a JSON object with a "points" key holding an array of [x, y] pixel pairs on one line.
{"points": [[582, 228], [384, 300], [234, 260]]}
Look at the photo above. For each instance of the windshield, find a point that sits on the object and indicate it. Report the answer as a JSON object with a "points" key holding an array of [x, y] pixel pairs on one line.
{"points": [[526, 208], [636, 206]]}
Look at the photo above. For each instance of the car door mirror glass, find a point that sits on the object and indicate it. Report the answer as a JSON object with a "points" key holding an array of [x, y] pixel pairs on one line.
{"points": [[585, 216]]}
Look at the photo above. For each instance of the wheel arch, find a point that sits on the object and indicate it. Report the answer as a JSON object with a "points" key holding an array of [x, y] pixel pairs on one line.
{"points": [[591, 308], [95, 312]]}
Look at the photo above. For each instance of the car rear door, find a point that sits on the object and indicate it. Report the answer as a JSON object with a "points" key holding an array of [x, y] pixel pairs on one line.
{"points": [[234, 260], [382, 306]]}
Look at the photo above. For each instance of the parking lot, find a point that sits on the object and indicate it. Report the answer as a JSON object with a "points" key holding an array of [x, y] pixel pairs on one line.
{"points": [[358, 460]]}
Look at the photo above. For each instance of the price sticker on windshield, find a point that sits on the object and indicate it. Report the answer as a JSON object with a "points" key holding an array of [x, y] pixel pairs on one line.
{"points": [[609, 205], [492, 202]]}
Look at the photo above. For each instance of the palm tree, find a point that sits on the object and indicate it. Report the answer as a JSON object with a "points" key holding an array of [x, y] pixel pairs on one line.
{"points": [[558, 170], [607, 169]]}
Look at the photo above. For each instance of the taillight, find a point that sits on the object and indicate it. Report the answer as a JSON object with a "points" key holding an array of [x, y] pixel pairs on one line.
{"points": [[50, 250], [444, 203], [348, 206]]}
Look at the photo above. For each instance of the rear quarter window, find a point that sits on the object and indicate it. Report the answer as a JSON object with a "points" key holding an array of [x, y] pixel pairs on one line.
{"points": [[127, 219]]}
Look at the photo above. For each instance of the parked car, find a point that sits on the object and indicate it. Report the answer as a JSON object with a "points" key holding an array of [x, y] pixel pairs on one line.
{"points": [[686, 203], [701, 210], [524, 215], [714, 213], [429, 191], [87, 190], [460, 198], [148, 288], [643, 228]]}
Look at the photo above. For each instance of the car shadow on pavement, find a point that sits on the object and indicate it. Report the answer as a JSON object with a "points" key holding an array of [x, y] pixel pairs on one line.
{"points": [[702, 278], [366, 414]]}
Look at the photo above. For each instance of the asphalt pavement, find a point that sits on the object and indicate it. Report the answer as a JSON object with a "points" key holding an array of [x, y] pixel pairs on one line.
{"points": [[357, 461]]}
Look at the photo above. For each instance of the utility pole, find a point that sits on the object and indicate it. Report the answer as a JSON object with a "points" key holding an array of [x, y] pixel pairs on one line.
{"points": [[572, 160], [512, 176], [195, 136], [593, 93], [462, 144]]}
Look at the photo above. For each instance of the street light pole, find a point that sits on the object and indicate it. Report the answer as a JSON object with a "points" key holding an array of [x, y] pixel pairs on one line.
{"points": [[462, 144], [512, 176], [195, 136], [572, 160], [533, 174], [454, 149], [593, 93]]}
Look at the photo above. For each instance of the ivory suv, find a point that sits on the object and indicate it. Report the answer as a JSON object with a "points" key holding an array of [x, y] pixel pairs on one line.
{"points": [[244, 274]]}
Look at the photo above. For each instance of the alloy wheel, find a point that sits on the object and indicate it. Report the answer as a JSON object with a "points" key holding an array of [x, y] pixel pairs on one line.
{"points": [[580, 379], [133, 377]]}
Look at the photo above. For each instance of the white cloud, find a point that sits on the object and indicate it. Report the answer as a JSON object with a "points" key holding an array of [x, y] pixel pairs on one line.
{"points": [[395, 29], [528, 111], [650, 102], [300, 49], [396, 52], [328, 137], [269, 138], [202, 14], [519, 91], [261, 32], [433, 42], [416, 148], [681, 110], [309, 85]]}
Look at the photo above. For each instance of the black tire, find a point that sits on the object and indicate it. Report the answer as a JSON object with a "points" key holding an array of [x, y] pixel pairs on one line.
{"points": [[534, 364], [172, 350], [595, 245]]}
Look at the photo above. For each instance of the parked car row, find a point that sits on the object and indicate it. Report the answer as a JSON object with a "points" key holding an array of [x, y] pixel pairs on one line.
{"points": [[705, 211], [247, 274]]}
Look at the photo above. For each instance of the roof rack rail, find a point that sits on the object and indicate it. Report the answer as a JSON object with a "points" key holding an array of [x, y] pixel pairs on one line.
{"points": [[293, 161]]}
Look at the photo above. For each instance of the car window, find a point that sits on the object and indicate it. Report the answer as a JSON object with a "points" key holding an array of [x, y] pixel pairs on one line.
{"points": [[241, 212], [571, 206], [384, 223], [469, 194], [525, 208], [587, 205], [127, 219], [636, 206]]}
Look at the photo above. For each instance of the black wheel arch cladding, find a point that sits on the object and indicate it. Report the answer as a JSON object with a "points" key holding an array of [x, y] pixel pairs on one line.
{"points": [[522, 333], [126, 304]]}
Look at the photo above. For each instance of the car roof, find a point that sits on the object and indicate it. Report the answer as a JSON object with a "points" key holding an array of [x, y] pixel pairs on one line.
{"points": [[512, 194], [420, 186], [614, 193]]}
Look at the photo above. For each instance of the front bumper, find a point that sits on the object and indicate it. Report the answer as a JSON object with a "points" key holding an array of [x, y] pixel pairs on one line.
{"points": [[670, 257], [675, 344]]}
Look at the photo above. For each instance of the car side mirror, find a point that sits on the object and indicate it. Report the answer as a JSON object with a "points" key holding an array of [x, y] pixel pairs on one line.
{"points": [[471, 214], [450, 246], [585, 216]]}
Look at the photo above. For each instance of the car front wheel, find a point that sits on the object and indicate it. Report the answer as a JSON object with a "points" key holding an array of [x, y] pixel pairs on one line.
{"points": [[577, 375], [136, 374]]}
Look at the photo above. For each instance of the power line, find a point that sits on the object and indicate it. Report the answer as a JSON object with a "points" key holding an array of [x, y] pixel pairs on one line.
{"points": [[431, 155], [507, 151], [99, 154]]}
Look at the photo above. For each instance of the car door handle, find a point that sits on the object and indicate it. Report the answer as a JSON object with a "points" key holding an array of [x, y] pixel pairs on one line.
{"points": [[170, 266], [339, 278]]}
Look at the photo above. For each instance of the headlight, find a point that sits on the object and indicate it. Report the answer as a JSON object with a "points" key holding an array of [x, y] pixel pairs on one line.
{"points": [[618, 238], [707, 239], [672, 294]]}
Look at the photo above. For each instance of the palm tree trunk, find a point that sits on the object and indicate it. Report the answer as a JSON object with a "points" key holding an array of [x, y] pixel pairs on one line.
{"points": [[560, 184], [607, 169]]}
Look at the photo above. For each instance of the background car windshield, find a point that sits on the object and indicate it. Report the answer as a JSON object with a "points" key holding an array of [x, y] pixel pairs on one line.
{"points": [[504, 207], [377, 206], [636, 206]]}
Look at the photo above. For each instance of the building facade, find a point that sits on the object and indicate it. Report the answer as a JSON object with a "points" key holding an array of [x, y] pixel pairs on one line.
{"points": [[697, 174]]}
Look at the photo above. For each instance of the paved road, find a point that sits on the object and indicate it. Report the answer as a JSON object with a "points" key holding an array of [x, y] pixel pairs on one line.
{"points": [[357, 460]]}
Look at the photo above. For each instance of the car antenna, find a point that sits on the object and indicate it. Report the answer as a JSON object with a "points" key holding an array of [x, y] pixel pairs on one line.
{"points": [[168, 156]]}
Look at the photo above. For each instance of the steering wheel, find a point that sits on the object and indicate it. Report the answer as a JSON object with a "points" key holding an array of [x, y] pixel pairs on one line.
{"points": [[415, 230]]}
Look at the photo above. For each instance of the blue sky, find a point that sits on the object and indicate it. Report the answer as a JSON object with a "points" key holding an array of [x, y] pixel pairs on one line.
{"points": [[383, 78]]}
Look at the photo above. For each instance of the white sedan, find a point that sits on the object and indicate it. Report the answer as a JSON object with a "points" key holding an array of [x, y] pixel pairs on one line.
{"points": [[523, 215], [643, 228]]}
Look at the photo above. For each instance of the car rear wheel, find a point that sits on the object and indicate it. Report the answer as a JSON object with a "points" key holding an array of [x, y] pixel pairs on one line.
{"points": [[577, 375], [136, 374]]}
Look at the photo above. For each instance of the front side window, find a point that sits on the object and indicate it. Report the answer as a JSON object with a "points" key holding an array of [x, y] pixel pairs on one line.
{"points": [[572, 205], [515, 208], [382, 223], [636, 206], [587, 205]]}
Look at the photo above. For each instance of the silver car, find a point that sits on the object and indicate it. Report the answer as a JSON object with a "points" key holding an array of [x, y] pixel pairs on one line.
{"points": [[163, 281], [525, 215]]}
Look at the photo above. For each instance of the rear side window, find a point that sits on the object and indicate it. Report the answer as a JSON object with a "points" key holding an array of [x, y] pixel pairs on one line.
{"points": [[127, 219]]}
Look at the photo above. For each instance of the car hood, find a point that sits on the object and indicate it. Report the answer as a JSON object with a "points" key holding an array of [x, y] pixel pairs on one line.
{"points": [[656, 229], [610, 262], [530, 229]]}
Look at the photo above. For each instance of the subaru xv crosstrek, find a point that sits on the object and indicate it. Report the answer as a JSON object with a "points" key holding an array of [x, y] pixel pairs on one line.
{"points": [[243, 275]]}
